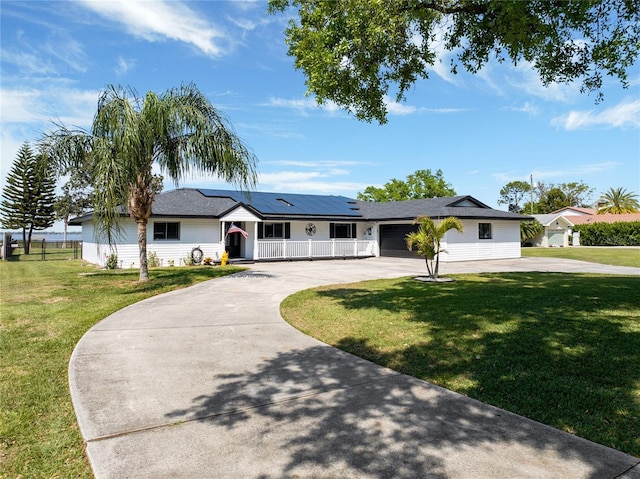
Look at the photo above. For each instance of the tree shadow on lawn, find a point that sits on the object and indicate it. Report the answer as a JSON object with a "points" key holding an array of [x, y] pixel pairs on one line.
{"points": [[561, 349]]}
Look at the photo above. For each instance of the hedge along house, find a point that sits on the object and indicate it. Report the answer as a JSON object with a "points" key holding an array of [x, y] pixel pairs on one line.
{"points": [[282, 226]]}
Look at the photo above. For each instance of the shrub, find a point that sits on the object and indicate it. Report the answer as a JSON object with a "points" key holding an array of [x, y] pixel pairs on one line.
{"points": [[112, 261], [208, 261], [610, 234], [152, 259]]}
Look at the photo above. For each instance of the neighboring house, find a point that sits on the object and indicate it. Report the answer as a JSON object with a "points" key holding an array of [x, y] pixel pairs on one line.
{"points": [[557, 230], [558, 225], [575, 211], [282, 226]]}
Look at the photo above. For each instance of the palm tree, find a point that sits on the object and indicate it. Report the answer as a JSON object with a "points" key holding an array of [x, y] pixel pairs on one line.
{"points": [[179, 131], [529, 230], [618, 201], [428, 238]]}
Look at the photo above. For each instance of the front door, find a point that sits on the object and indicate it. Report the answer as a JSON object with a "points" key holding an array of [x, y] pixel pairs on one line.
{"points": [[235, 242]]}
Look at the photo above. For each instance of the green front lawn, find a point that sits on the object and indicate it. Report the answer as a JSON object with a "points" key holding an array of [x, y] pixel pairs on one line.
{"points": [[563, 349], [602, 255], [46, 307]]}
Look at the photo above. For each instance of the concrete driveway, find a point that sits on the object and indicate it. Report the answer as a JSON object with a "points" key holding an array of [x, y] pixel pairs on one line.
{"points": [[210, 382]]}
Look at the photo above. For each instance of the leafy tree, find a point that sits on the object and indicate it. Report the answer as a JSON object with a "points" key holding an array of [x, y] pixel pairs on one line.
{"points": [[553, 200], [513, 193], [418, 185], [428, 238], [618, 201], [551, 197], [577, 193], [180, 131], [358, 52], [28, 195]]}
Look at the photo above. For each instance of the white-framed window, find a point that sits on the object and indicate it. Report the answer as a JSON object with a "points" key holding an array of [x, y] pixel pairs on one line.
{"points": [[269, 230], [342, 230], [484, 230], [165, 230]]}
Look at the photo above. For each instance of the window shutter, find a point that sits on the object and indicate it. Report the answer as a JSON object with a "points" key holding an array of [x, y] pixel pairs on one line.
{"points": [[287, 230], [332, 230], [260, 230], [353, 230]]}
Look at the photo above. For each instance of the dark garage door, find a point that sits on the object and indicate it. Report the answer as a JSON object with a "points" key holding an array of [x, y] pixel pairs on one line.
{"points": [[392, 240]]}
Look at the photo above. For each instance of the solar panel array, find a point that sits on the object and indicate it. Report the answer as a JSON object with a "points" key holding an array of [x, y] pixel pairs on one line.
{"points": [[290, 204]]}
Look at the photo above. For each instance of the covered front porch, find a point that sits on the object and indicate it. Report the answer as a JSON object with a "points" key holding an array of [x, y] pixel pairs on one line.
{"points": [[257, 240]]}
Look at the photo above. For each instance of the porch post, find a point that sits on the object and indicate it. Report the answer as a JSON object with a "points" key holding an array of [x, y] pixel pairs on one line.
{"points": [[256, 246]]}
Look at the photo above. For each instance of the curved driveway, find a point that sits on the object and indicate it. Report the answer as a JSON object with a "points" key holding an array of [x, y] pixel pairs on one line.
{"points": [[210, 382]]}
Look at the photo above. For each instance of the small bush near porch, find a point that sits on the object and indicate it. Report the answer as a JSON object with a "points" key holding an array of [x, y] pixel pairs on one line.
{"points": [[562, 349]]}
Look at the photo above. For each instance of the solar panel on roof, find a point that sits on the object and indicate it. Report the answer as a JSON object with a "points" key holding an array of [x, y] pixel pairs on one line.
{"points": [[293, 204]]}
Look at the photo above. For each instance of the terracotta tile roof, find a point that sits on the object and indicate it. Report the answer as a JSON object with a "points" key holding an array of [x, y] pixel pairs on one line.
{"points": [[607, 218]]}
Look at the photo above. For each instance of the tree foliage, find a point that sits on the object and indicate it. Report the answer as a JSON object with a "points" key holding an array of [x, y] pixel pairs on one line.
{"points": [[180, 131], [418, 185], [357, 53], [427, 240], [618, 201], [28, 195], [550, 197], [513, 193]]}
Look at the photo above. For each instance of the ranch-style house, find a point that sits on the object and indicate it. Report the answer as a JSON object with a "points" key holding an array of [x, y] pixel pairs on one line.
{"points": [[283, 226]]}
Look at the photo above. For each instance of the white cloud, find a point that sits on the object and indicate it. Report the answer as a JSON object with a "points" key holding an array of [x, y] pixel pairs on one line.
{"points": [[319, 164], [306, 183], [624, 115], [527, 108], [302, 106], [398, 109], [524, 77], [72, 107], [558, 174], [124, 65], [158, 20]]}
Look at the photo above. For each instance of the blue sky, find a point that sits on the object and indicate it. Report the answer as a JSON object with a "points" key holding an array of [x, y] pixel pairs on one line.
{"points": [[482, 131]]}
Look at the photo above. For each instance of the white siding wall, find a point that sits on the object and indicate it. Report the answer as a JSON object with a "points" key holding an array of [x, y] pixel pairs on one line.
{"points": [[203, 233], [466, 246]]}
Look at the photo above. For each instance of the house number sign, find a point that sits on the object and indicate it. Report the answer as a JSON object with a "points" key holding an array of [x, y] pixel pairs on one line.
{"points": [[310, 229]]}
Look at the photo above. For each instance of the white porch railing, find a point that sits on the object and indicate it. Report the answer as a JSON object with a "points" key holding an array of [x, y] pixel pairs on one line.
{"points": [[287, 249]]}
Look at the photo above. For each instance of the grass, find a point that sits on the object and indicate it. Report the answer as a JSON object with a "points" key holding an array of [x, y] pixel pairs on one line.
{"points": [[46, 307], [563, 349], [602, 255]]}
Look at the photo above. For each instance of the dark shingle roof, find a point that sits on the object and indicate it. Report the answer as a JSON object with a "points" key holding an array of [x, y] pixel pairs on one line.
{"points": [[459, 206], [190, 202], [209, 203]]}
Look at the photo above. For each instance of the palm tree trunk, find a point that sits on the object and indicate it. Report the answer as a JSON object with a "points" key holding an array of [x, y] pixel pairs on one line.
{"points": [[426, 259], [142, 246], [435, 272]]}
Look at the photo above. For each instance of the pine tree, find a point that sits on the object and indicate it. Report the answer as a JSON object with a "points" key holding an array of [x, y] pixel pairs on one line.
{"points": [[28, 196]]}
